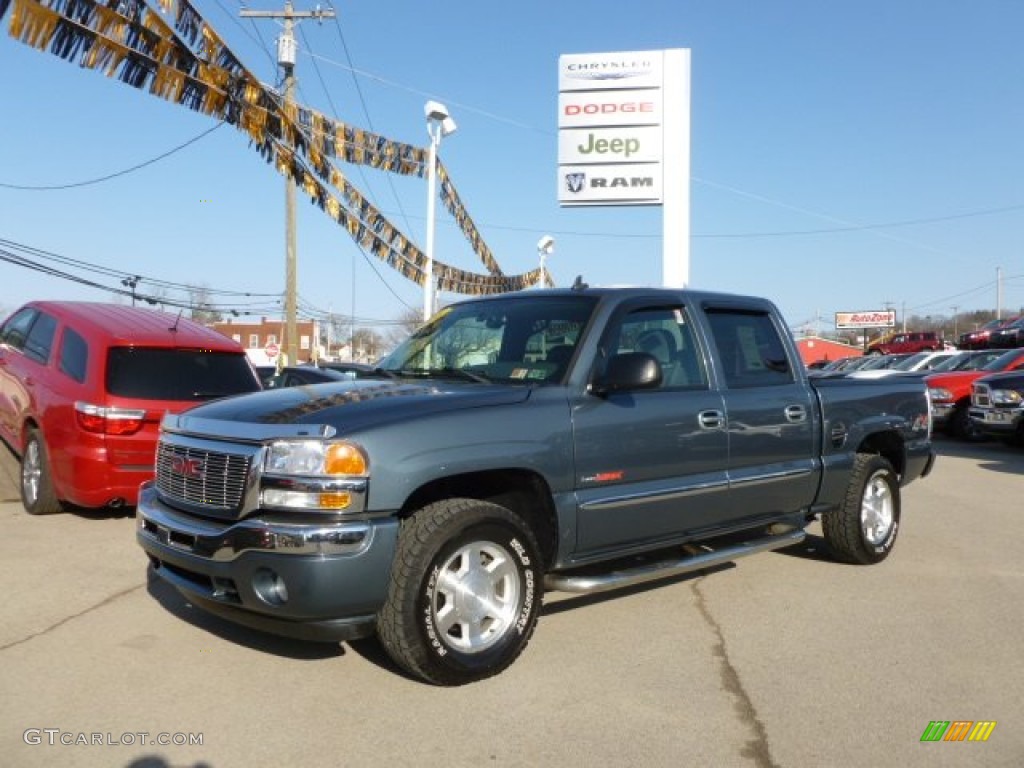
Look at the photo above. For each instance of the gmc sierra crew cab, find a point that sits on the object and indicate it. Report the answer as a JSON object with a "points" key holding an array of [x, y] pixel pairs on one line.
{"points": [[578, 440]]}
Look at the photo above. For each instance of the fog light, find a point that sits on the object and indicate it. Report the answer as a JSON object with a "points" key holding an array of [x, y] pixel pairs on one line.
{"points": [[280, 498], [269, 587]]}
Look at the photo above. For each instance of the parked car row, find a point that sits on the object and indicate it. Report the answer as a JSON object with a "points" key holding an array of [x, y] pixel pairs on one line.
{"points": [[951, 391], [974, 393]]}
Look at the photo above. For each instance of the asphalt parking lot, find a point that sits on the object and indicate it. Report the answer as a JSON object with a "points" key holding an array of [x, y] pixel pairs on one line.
{"points": [[782, 659]]}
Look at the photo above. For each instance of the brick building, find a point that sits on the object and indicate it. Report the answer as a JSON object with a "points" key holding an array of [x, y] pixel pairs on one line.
{"points": [[256, 337]]}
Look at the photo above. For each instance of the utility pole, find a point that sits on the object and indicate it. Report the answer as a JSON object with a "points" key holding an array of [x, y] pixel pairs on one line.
{"points": [[286, 60], [999, 293]]}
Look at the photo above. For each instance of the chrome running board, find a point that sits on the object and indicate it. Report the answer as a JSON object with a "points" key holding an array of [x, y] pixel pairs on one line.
{"points": [[599, 582]]}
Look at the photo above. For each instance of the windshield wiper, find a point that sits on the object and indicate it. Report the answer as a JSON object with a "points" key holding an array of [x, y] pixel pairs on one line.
{"points": [[389, 374], [462, 373], [458, 373]]}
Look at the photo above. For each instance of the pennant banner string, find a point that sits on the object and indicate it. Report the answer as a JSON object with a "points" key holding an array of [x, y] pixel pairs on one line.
{"points": [[138, 47]]}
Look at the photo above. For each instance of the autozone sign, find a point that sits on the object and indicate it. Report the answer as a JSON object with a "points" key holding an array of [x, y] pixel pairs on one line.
{"points": [[885, 318]]}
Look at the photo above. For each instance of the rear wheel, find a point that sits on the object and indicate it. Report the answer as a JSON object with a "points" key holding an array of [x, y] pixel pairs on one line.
{"points": [[465, 592], [863, 529], [37, 494]]}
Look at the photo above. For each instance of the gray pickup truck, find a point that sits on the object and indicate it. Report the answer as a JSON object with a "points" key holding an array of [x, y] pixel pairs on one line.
{"points": [[574, 440]]}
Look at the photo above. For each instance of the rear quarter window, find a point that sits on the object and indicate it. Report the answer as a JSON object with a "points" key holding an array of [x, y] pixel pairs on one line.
{"points": [[177, 374], [74, 355]]}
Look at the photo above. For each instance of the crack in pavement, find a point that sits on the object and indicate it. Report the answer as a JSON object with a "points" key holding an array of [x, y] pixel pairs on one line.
{"points": [[757, 748], [106, 601]]}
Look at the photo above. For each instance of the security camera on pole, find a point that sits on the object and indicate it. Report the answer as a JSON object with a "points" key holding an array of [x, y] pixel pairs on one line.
{"points": [[439, 124]]}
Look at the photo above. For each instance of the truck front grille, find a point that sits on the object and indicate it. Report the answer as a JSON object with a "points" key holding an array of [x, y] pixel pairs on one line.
{"points": [[210, 480], [981, 396]]}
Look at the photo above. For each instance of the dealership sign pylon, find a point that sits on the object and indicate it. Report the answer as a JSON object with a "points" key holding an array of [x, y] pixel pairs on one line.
{"points": [[624, 139]]}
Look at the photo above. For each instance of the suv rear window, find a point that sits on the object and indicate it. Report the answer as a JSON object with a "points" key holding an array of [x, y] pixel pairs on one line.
{"points": [[177, 374]]}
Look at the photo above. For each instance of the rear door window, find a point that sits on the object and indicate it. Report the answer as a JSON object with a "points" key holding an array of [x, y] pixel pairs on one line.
{"points": [[750, 348], [177, 374], [40, 338]]}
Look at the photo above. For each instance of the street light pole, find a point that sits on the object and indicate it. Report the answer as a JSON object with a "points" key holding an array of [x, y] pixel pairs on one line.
{"points": [[131, 282], [439, 124], [545, 247]]}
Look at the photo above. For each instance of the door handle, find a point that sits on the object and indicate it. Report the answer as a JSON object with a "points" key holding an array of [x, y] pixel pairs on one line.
{"points": [[796, 414], [711, 419]]}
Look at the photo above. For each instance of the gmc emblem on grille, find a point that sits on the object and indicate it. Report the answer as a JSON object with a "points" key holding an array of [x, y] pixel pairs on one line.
{"points": [[190, 468]]}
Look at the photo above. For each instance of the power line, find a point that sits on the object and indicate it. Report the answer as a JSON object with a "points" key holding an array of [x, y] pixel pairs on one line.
{"points": [[109, 176]]}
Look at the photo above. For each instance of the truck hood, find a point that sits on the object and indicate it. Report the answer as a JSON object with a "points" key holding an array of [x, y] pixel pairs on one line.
{"points": [[348, 406]]}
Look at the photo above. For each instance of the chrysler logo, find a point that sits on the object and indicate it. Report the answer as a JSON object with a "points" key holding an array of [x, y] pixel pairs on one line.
{"points": [[190, 468]]}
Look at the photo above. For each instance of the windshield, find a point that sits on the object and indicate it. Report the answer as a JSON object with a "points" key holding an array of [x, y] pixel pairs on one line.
{"points": [[953, 362], [907, 364], [511, 340], [1004, 361]]}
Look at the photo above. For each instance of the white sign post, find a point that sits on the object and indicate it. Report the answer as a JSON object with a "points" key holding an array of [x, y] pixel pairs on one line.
{"points": [[624, 139]]}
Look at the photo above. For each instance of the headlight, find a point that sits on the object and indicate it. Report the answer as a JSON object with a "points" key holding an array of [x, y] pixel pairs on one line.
{"points": [[314, 475], [315, 458], [938, 393], [1006, 397]]}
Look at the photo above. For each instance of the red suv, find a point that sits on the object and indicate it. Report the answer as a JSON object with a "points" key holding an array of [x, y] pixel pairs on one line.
{"points": [[902, 343], [83, 387]]}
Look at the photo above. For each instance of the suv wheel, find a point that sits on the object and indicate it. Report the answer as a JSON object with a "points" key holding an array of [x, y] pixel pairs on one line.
{"points": [[37, 493]]}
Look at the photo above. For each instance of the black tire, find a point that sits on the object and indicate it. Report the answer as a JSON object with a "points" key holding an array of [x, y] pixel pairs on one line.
{"points": [[863, 529], [37, 494], [961, 426], [465, 593]]}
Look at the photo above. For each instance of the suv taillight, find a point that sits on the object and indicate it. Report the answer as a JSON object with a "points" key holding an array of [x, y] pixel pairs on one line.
{"points": [[108, 421]]}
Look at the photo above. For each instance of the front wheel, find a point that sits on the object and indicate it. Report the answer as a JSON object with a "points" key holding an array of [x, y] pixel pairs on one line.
{"points": [[465, 592], [37, 494], [961, 426], [863, 529]]}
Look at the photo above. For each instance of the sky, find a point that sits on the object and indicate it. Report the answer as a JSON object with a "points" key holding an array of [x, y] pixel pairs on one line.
{"points": [[845, 156]]}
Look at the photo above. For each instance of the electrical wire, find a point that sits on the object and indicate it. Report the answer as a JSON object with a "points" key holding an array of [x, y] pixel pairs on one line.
{"points": [[109, 176]]}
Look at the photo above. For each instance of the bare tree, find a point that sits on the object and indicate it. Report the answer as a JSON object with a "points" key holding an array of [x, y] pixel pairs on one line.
{"points": [[202, 310]]}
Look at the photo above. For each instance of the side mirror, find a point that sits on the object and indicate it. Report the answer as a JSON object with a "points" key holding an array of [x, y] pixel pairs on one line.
{"points": [[626, 372]]}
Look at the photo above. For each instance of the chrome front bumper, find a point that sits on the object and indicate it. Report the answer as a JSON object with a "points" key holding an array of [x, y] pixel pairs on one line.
{"points": [[322, 580]]}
